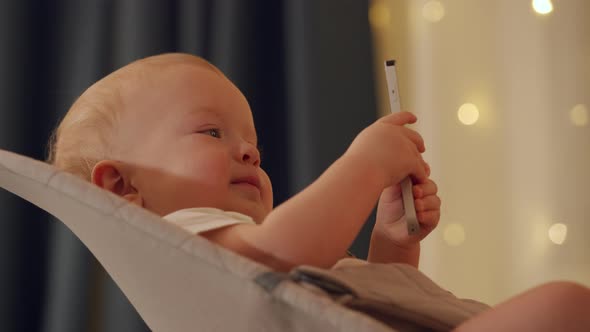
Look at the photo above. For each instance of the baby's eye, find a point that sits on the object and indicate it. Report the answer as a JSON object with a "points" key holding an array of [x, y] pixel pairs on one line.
{"points": [[213, 132]]}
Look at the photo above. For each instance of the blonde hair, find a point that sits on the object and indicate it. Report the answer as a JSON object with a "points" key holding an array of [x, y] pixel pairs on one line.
{"points": [[83, 137]]}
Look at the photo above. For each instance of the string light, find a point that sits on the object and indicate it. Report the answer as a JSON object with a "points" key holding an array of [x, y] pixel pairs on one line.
{"points": [[557, 233], [543, 7], [579, 115], [454, 235], [433, 11], [468, 114]]}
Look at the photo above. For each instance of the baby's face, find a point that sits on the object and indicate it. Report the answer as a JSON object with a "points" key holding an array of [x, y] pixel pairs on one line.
{"points": [[190, 133]]}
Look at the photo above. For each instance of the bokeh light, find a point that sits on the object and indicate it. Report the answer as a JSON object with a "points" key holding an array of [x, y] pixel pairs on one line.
{"points": [[454, 234], [468, 114], [433, 11], [579, 115], [379, 16], [543, 7], [557, 233]]}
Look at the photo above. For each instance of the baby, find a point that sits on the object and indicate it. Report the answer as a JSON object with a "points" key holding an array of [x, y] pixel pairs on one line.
{"points": [[172, 134]]}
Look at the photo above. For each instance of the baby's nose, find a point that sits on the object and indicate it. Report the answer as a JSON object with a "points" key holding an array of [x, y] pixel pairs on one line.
{"points": [[250, 154]]}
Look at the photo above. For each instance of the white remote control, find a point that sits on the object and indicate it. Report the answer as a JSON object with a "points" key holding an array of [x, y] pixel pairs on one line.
{"points": [[406, 185]]}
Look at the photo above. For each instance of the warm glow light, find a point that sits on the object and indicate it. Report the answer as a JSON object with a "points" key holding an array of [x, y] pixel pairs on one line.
{"points": [[543, 7], [579, 115], [454, 234], [557, 233], [379, 14], [468, 114], [433, 11]]}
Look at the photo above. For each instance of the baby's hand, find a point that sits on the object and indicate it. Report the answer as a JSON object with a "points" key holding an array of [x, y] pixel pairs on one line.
{"points": [[390, 241], [390, 150]]}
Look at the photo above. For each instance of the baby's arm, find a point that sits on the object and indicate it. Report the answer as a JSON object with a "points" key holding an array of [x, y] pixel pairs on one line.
{"points": [[317, 225]]}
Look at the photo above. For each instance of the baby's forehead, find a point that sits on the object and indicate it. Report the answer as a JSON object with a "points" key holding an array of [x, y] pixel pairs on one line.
{"points": [[185, 91]]}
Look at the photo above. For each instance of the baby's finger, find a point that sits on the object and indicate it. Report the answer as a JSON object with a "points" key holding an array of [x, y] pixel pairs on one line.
{"points": [[428, 219], [416, 139], [427, 203], [425, 189], [419, 175], [427, 167], [399, 118]]}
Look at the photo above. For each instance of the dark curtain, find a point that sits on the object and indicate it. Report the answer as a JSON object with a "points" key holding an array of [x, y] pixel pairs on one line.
{"points": [[304, 65]]}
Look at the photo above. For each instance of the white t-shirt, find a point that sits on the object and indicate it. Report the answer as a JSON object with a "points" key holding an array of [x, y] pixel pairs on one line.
{"points": [[198, 220]]}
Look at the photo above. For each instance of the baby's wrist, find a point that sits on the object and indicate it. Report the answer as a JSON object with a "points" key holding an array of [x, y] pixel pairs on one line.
{"points": [[383, 237], [370, 168], [383, 249]]}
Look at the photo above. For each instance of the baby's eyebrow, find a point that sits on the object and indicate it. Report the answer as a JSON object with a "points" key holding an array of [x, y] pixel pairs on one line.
{"points": [[196, 116]]}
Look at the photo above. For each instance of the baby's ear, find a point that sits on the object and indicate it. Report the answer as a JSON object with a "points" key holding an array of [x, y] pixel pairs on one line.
{"points": [[114, 176]]}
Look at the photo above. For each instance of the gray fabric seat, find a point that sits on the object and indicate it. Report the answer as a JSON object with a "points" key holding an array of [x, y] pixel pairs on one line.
{"points": [[175, 280]]}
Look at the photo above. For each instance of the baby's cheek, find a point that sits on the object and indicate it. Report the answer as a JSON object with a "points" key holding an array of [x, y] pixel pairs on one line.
{"points": [[267, 195], [204, 167], [214, 174]]}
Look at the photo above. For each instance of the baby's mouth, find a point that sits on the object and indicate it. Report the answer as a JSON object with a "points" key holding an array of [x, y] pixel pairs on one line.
{"points": [[249, 181]]}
